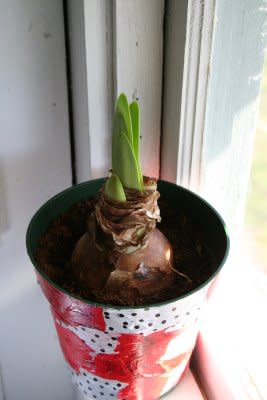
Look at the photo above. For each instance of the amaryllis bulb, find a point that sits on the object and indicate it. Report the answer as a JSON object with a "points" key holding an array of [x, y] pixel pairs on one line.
{"points": [[123, 250]]}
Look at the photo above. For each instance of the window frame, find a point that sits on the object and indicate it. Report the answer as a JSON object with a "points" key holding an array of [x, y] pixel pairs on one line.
{"points": [[224, 110]]}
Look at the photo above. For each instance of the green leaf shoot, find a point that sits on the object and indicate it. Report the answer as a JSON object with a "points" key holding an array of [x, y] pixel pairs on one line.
{"points": [[122, 119], [125, 146], [125, 164], [114, 189], [135, 118], [134, 112]]}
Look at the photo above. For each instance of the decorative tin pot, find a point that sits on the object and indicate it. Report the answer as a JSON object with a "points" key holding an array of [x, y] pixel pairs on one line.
{"points": [[129, 353]]}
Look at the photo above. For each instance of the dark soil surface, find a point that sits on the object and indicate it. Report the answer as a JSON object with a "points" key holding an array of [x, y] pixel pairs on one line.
{"points": [[193, 259]]}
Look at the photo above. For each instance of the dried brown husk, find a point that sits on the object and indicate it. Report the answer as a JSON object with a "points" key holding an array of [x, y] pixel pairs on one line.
{"points": [[133, 253], [128, 223]]}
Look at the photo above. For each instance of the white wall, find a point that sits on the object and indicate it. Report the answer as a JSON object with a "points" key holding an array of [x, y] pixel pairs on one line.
{"points": [[34, 164]]}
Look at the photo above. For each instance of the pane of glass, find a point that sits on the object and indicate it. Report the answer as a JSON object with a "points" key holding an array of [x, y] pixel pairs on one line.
{"points": [[255, 251], [256, 207]]}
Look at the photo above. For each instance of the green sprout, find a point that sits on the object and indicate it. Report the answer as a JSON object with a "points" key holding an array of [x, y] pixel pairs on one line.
{"points": [[114, 189], [126, 169]]}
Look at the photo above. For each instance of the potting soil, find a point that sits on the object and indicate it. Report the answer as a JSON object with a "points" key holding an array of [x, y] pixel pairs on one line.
{"points": [[193, 259]]}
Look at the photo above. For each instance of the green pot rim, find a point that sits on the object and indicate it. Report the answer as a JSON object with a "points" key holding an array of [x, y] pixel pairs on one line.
{"points": [[106, 305]]}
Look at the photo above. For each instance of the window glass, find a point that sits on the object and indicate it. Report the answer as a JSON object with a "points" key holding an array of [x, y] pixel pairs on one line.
{"points": [[255, 230]]}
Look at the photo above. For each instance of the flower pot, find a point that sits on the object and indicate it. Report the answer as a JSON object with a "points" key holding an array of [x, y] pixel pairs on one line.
{"points": [[127, 352]]}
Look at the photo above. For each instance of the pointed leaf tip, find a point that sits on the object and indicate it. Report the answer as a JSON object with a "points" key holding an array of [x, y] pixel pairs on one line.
{"points": [[114, 189], [122, 119]]}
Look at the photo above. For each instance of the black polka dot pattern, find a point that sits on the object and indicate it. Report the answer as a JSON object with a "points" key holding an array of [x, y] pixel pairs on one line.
{"points": [[96, 387], [98, 341], [148, 320]]}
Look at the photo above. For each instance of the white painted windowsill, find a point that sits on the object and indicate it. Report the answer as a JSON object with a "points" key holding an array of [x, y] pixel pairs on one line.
{"points": [[186, 389], [231, 348]]}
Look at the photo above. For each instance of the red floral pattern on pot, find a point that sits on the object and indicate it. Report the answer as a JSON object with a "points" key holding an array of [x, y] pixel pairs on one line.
{"points": [[127, 353]]}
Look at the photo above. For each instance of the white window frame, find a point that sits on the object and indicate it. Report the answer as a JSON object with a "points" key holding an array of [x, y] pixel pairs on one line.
{"points": [[115, 46], [211, 153]]}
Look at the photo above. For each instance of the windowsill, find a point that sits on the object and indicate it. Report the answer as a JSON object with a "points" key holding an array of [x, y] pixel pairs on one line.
{"points": [[186, 389], [231, 349]]}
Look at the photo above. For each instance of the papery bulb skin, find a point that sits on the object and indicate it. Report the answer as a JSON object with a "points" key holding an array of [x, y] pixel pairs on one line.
{"points": [[157, 254], [123, 249]]}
